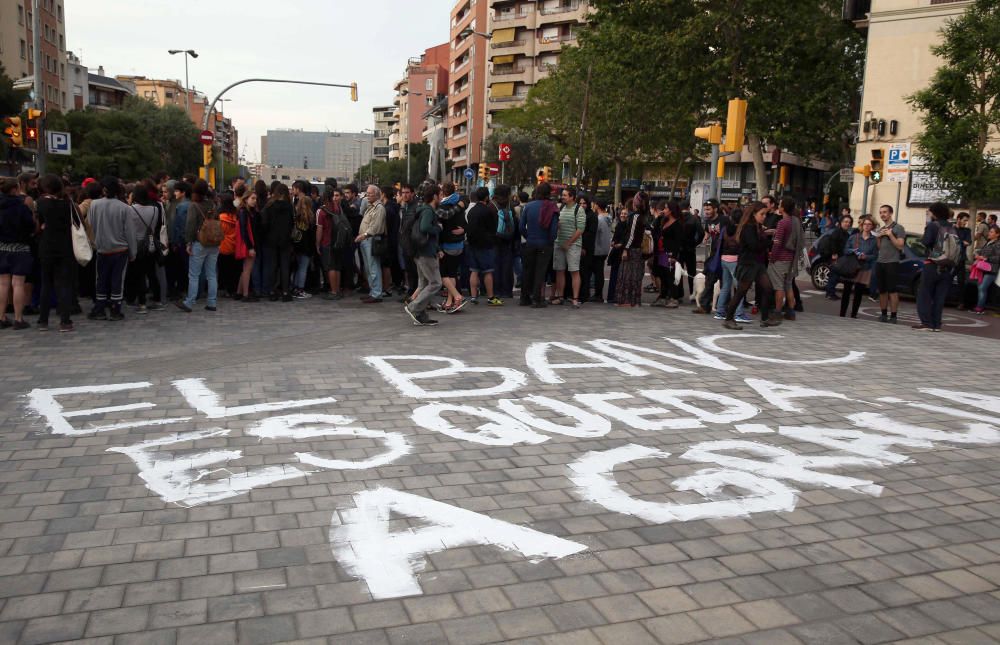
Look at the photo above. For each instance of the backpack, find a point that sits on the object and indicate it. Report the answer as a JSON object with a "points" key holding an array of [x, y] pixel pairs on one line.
{"points": [[505, 223], [149, 244], [947, 249], [341, 232], [697, 229], [230, 232], [416, 237], [406, 232], [210, 232]]}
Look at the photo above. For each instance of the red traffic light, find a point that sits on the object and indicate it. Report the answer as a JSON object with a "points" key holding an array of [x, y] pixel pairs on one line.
{"points": [[32, 133]]}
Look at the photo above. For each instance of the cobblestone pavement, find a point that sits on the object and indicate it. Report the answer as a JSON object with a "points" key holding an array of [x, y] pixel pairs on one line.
{"points": [[209, 530]]}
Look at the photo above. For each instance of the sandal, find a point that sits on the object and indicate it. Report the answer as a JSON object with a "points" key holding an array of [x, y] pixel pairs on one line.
{"points": [[576, 304], [555, 301]]}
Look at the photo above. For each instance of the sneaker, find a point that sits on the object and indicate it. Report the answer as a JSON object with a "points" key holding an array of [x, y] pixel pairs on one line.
{"points": [[979, 311], [789, 315], [718, 316], [209, 308], [659, 302], [142, 309], [698, 310], [180, 304], [116, 316], [920, 327], [893, 320], [287, 297], [936, 329], [368, 300], [425, 321], [299, 294], [330, 296], [672, 304], [872, 299], [416, 319], [524, 303], [21, 324], [43, 326], [155, 306], [97, 315], [731, 324], [495, 302], [474, 300], [884, 318], [4, 324], [746, 320], [770, 322], [65, 327], [441, 308]]}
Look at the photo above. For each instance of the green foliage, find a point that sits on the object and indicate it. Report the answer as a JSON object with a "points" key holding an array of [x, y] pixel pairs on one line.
{"points": [[961, 106], [11, 100], [393, 171], [134, 141], [528, 154]]}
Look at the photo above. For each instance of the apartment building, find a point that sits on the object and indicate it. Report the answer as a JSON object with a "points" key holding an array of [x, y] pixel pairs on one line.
{"points": [[467, 83], [527, 36], [385, 120], [900, 35], [426, 79], [17, 49]]}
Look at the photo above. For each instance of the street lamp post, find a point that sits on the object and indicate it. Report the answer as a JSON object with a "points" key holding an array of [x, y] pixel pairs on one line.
{"points": [[469, 31], [187, 91]]}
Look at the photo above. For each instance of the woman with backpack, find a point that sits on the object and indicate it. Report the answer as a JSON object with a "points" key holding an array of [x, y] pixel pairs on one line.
{"points": [[630, 271], [863, 245], [203, 232], [246, 247], [146, 220], [55, 252], [229, 269]]}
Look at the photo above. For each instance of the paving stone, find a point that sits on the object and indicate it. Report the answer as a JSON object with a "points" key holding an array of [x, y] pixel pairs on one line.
{"points": [[269, 629]]}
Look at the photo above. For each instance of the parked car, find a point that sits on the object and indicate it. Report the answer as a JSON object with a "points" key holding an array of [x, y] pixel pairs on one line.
{"points": [[911, 262]]}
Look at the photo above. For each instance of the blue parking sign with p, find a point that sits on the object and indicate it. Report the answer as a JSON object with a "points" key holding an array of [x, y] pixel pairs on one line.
{"points": [[58, 142]]}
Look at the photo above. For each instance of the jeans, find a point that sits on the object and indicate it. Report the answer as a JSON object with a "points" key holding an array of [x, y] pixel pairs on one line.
{"points": [[984, 289], [373, 268], [831, 284], [301, 269], [705, 299], [203, 259], [257, 280], [503, 274], [428, 284], [934, 287], [728, 284]]}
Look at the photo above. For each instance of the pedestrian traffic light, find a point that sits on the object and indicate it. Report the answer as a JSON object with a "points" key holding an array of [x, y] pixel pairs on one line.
{"points": [[31, 134], [711, 133], [543, 173], [878, 156], [206, 151], [484, 172], [783, 176], [354, 92], [736, 125], [12, 130]]}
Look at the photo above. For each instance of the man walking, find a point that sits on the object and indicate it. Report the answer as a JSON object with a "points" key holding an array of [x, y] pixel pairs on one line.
{"points": [[890, 239], [116, 246], [425, 257]]}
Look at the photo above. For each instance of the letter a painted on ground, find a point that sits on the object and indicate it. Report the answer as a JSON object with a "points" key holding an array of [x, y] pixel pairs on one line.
{"points": [[388, 562]]}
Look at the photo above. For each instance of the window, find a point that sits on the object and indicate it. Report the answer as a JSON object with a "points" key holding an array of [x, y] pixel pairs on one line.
{"points": [[20, 15], [59, 12], [62, 43], [429, 84], [62, 70], [168, 94], [24, 49], [77, 90]]}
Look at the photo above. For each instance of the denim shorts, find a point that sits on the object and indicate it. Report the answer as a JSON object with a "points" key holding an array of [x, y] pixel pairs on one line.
{"points": [[480, 260], [16, 263]]}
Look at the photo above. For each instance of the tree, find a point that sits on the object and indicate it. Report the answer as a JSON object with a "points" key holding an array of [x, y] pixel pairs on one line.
{"points": [[961, 106], [527, 154], [11, 100], [393, 171], [132, 142]]}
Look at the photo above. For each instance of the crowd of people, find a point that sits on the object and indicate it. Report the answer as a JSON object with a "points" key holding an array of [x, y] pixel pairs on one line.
{"points": [[161, 240]]}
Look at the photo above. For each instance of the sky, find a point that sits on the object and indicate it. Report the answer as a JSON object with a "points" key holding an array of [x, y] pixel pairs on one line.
{"points": [[330, 41]]}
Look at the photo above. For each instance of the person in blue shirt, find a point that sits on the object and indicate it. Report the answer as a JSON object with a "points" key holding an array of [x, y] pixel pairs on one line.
{"points": [[539, 227]]}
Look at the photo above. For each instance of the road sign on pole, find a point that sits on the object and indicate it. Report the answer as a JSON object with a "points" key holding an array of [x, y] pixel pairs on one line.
{"points": [[469, 173], [897, 168], [58, 142], [206, 137], [494, 169], [847, 175], [504, 152]]}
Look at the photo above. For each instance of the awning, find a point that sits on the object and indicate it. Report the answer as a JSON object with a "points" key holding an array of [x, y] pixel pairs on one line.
{"points": [[503, 35], [503, 60], [501, 89]]}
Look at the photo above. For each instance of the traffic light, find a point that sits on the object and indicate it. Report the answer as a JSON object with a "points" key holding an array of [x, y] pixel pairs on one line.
{"points": [[484, 172], [206, 151], [12, 130], [783, 176], [878, 156], [31, 129], [720, 172], [711, 133], [543, 173], [354, 92], [736, 125], [864, 171]]}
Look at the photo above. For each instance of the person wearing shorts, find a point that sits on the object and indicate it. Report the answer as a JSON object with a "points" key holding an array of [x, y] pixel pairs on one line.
{"points": [[17, 227], [569, 245], [890, 238], [480, 248]]}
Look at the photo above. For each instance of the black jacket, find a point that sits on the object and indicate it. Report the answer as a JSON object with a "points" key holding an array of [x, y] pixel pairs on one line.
{"points": [[753, 245], [54, 216], [278, 218]]}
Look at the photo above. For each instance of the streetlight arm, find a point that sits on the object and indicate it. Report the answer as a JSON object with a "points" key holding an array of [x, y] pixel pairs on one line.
{"points": [[211, 108]]}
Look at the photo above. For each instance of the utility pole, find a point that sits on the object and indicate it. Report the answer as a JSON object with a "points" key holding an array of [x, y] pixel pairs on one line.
{"points": [[36, 44], [583, 125]]}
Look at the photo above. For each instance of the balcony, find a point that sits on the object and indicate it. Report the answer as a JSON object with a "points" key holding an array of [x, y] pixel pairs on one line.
{"points": [[513, 43], [508, 99], [507, 70], [564, 8], [511, 19]]}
